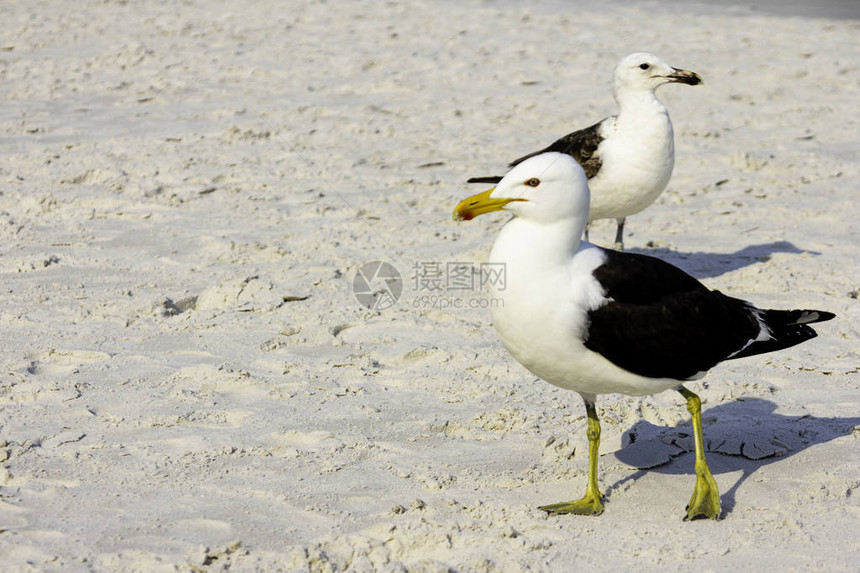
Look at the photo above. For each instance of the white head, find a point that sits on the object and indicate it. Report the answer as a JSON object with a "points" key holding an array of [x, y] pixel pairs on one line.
{"points": [[545, 188], [643, 72]]}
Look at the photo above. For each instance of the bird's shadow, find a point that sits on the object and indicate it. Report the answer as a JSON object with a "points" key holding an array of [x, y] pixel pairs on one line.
{"points": [[748, 433], [709, 265]]}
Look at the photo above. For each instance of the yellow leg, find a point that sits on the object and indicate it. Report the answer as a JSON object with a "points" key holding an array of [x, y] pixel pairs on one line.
{"points": [[705, 501], [591, 503]]}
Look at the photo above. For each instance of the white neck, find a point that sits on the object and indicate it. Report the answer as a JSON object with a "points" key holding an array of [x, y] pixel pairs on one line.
{"points": [[644, 121], [639, 103], [532, 250]]}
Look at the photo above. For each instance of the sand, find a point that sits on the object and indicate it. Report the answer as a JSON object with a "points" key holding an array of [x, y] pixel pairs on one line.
{"points": [[190, 384]]}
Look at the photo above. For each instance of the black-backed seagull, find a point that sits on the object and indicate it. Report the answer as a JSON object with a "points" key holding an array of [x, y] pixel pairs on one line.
{"points": [[599, 321], [628, 157]]}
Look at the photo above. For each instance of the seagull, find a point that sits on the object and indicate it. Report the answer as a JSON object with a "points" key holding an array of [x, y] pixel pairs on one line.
{"points": [[598, 321], [628, 157]]}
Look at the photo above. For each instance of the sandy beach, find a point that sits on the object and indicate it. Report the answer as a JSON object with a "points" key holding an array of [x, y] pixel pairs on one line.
{"points": [[190, 383]]}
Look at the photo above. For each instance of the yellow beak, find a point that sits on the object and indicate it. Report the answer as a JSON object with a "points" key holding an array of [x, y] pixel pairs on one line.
{"points": [[471, 207]]}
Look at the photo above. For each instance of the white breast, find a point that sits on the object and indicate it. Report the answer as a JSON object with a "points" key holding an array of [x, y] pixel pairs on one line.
{"points": [[637, 161], [544, 331]]}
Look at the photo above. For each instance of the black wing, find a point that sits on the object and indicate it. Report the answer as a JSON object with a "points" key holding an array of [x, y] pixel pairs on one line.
{"points": [[581, 145], [663, 323], [787, 327]]}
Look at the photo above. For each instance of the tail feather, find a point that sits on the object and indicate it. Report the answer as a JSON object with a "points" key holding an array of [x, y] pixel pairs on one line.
{"points": [[807, 316], [491, 179], [787, 328]]}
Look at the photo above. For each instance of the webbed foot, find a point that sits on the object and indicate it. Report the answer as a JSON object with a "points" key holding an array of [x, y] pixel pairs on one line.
{"points": [[705, 501], [588, 505]]}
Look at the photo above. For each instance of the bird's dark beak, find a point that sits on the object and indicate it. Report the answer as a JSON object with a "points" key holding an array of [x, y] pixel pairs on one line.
{"points": [[685, 77]]}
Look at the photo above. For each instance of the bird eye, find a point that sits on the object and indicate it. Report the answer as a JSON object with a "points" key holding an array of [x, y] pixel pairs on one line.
{"points": [[644, 66], [533, 182]]}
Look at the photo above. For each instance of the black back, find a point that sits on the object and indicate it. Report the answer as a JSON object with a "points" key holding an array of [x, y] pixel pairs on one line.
{"points": [[662, 323]]}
